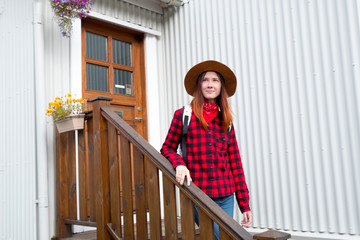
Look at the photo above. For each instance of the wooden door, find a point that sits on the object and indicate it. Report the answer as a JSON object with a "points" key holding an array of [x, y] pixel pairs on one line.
{"points": [[113, 66]]}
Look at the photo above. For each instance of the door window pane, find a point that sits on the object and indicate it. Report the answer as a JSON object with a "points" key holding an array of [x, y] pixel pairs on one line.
{"points": [[123, 82], [96, 46], [96, 77], [121, 52]]}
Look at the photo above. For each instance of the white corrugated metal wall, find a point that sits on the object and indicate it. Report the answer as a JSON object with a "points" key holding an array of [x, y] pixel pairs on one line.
{"points": [[297, 104], [129, 12], [17, 121]]}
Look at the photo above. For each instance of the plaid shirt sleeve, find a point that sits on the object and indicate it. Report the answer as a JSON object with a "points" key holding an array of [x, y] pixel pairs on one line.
{"points": [[241, 190], [172, 141]]}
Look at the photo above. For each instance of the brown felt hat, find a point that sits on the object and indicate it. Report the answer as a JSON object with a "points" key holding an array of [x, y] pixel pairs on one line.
{"points": [[210, 65]]}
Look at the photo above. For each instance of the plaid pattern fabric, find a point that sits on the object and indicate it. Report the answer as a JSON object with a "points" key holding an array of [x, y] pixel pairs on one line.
{"points": [[214, 166]]}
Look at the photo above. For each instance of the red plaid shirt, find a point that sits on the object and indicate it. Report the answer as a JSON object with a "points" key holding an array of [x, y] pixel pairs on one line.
{"points": [[214, 166]]}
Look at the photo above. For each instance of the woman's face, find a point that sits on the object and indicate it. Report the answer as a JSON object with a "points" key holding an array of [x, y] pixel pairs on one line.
{"points": [[211, 86]]}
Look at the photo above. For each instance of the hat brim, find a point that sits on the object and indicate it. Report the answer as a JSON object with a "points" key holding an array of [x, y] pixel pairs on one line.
{"points": [[210, 65]]}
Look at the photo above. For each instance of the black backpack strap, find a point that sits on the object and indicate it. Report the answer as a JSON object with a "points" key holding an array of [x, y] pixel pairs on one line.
{"points": [[185, 123], [228, 135]]}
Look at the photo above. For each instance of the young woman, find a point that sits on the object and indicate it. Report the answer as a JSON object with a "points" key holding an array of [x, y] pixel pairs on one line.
{"points": [[213, 160]]}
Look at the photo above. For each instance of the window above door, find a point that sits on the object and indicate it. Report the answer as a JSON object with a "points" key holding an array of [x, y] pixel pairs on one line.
{"points": [[109, 61], [109, 66]]}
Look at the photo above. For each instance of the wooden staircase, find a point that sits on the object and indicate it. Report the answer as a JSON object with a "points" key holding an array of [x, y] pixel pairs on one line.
{"points": [[118, 175]]}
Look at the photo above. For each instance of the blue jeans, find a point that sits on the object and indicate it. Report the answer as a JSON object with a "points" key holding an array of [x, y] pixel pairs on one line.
{"points": [[226, 203]]}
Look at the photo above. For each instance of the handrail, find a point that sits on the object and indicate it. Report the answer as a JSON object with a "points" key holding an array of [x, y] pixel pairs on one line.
{"points": [[193, 192]]}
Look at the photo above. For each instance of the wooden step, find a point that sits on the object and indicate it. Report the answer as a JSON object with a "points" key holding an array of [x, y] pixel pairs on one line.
{"points": [[91, 235]]}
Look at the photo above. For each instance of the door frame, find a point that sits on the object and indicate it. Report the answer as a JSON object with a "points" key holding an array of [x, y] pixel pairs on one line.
{"points": [[153, 70]]}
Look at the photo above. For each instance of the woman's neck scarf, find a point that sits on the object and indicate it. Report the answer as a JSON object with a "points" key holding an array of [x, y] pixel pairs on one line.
{"points": [[210, 110]]}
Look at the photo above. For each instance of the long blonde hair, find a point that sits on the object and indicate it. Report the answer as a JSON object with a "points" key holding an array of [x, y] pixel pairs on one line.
{"points": [[198, 102]]}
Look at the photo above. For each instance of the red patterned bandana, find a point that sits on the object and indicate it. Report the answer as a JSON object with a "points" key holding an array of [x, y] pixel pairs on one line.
{"points": [[210, 110]]}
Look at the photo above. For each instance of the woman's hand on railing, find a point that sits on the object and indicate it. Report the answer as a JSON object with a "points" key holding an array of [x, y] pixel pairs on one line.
{"points": [[181, 173], [247, 219]]}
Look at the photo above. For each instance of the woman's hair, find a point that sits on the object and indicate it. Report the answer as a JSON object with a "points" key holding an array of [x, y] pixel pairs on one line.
{"points": [[198, 102]]}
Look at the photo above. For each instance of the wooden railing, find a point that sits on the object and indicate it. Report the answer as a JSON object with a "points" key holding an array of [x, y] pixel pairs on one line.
{"points": [[119, 181]]}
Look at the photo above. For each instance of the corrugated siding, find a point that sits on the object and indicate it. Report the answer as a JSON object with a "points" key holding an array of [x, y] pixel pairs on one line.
{"points": [[129, 13], [297, 104], [17, 121], [57, 83]]}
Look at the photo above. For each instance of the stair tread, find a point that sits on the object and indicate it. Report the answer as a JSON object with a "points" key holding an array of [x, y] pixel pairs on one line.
{"points": [[91, 235]]}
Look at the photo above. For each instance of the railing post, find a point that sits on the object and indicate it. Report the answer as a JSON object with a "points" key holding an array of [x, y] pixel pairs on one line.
{"points": [[82, 175], [65, 158], [101, 167], [272, 235]]}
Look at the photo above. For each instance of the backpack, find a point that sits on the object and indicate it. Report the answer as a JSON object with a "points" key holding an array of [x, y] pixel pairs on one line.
{"points": [[185, 120]]}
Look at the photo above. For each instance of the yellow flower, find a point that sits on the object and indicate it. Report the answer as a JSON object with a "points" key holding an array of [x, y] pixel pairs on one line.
{"points": [[70, 101], [79, 100], [69, 95], [57, 98], [57, 104], [51, 104]]}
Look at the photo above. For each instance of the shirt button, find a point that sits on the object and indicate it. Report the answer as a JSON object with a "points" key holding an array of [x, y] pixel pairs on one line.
{"points": [[211, 179], [208, 144]]}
